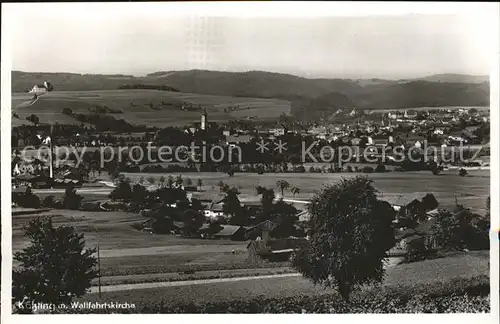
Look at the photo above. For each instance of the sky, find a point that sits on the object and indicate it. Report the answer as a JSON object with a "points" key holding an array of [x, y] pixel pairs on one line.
{"points": [[87, 39]]}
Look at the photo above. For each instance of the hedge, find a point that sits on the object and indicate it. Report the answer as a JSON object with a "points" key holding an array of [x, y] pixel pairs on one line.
{"points": [[456, 296]]}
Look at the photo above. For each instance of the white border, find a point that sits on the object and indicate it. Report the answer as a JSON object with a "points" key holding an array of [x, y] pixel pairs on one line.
{"points": [[482, 12], [6, 210]]}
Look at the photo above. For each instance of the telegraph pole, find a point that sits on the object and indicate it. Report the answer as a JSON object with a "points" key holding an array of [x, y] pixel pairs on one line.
{"points": [[99, 269]]}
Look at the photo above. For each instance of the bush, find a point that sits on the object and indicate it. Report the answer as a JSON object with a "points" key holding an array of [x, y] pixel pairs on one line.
{"points": [[462, 172], [90, 206], [51, 202], [300, 169], [367, 169], [27, 200], [380, 168]]}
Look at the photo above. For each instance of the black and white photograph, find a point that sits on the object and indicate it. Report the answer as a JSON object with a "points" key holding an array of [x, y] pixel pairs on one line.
{"points": [[170, 159]]}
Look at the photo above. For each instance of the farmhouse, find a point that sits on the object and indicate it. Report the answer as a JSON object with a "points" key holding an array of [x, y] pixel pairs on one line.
{"points": [[237, 139], [214, 211]]}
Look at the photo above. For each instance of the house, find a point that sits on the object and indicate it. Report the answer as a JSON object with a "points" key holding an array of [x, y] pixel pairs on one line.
{"points": [[278, 131], [275, 249], [65, 183], [355, 141], [74, 174], [380, 142], [215, 210], [237, 139], [231, 232], [304, 216], [20, 190]]}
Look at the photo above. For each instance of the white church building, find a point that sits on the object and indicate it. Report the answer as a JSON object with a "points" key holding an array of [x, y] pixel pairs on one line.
{"points": [[39, 89]]}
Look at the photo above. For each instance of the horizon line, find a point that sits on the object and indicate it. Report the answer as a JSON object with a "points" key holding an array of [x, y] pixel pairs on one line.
{"points": [[263, 71]]}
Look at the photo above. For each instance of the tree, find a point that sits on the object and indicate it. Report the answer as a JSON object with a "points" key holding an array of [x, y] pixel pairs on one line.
{"points": [[33, 119], [260, 190], [199, 183], [434, 167], [461, 229], [71, 199], [140, 195], [170, 181], [122, 191], [49, 201], [26, 200], [188, 182], [462, 172], [161, 224], [367, 169], [488, 205], [380, 168], [429, 202], [193, 220], [162, 181], [67, 111], [450, 228], [351, 232], [151, 180], [55, 268], [282, 186], [285, 216], [266, 201], [295, 190], [232, 206], [179, 181]]}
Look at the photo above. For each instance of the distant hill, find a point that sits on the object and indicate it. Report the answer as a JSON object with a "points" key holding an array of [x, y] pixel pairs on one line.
{"points": [[310, 98], [253, 84], [321, 107], [456, 78], [423, 94]]}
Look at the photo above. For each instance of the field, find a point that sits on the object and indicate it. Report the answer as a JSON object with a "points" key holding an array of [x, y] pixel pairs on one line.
{"points": [[460, 265], [151, 107], [125, 250]]}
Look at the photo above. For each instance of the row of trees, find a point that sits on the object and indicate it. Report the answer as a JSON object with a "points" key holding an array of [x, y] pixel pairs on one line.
{"points": [[71, 200], [169, 181]]}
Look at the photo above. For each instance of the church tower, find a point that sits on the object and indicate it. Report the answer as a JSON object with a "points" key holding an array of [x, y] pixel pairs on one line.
{"points": [[204, 120]]}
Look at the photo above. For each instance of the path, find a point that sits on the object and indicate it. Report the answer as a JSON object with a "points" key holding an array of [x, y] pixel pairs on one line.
{"points": [[150, 285]]}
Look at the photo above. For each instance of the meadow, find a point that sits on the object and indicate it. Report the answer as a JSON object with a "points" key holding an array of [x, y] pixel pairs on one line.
{"points": [[459, 269], [151, 107], [125, 250]]}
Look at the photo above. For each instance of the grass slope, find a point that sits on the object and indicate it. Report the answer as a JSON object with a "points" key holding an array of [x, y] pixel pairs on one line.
{"points": [[151, 107]]}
